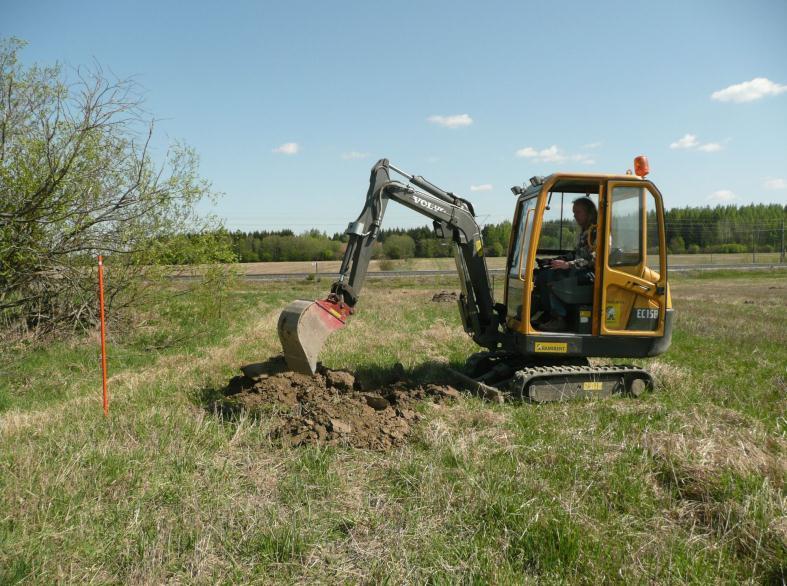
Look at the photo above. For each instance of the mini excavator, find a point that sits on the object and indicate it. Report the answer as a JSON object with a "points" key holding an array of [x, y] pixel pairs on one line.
{"points": [[623, 311]]}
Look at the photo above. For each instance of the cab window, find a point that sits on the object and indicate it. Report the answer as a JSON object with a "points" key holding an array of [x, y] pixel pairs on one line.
{"points": [[634, 229], [523, 231], [626, 227], [559, 231]]}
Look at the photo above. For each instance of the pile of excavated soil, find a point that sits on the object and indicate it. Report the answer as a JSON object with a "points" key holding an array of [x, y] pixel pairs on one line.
{"points": [[445, 297], [330, 408]]}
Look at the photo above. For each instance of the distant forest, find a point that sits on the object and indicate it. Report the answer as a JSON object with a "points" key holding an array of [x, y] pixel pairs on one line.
{"points": [[689, 230]]}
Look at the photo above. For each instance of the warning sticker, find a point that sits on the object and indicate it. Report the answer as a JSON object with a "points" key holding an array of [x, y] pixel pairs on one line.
{"points": [[612, 315], [557, 347], [592, 386]]}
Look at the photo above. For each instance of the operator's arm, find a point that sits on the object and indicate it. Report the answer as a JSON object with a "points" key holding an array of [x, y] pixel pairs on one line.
{"points": [[584, 256]]}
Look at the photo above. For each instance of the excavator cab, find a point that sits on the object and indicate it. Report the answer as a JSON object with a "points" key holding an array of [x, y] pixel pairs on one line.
{"points": [[618, 305]]}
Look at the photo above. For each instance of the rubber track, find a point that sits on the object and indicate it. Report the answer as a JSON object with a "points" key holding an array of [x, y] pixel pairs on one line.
{"points": [[524, 377]]}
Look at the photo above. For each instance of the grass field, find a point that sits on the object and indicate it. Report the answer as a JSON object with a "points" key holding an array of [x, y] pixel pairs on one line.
{"points": [[447, 264], [685, 485]]}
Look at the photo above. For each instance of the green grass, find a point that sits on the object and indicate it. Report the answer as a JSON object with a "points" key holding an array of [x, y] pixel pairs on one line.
{"points": [[174, 324], [685, 485]]}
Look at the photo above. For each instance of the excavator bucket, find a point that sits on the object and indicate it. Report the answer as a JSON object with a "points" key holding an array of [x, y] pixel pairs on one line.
{"points": [[303, 328]]}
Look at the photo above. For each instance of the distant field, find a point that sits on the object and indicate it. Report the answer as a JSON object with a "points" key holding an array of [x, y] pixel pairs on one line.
{"points": [[436, 264], [332, 266], [685, 485]]}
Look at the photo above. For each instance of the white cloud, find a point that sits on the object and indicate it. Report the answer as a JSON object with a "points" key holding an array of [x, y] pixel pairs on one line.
{"points": [[775, 183], [288, 148], [549, 155], [455, 121], [553, 154], [354, 155], [710, 147], [748, 91], [722, 195], [482, 187], [527, 152], [689, 141], [591, 145], [584, 159]]}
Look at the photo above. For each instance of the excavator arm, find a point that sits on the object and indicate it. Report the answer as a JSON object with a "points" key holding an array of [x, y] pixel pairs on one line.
{"points": [[305, 325]]}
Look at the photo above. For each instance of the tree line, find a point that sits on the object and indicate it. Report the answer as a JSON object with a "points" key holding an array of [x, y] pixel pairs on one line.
{"points": [[392, 243], [719, 229], [726, 228]]}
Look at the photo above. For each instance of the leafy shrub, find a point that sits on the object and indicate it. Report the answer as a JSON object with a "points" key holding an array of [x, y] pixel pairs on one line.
{"points": [[76, 181], [399, 246]]}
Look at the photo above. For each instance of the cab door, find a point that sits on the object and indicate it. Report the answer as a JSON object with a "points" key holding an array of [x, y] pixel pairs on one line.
{"points": [[634, 284], [517, 265]]}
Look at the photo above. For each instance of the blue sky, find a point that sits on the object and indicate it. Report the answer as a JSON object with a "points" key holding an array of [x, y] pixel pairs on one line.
{"points": [[474, 96]]}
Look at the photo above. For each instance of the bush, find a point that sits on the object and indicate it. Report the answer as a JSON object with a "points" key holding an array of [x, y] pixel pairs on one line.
{"points": [[390, 265], [432, 248], [730, 248], [496, 249], [399, 246], [693, 249], [677, 245], [76, 181]]}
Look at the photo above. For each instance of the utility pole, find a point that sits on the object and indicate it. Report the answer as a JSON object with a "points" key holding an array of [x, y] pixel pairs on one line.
{"points": [[781, 256]]}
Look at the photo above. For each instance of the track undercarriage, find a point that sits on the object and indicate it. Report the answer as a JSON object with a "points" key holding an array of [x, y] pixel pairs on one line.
{"points": [[501, 375]]}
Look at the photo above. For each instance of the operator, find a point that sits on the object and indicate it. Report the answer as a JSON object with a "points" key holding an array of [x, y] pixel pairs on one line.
{"points": [[580, 264]]}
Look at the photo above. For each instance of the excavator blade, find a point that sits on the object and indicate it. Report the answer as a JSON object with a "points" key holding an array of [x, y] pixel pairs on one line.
{"points": [[303, 328]]}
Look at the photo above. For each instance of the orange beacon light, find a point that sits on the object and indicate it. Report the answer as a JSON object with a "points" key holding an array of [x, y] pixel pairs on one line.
{"points": [[641, 166]]}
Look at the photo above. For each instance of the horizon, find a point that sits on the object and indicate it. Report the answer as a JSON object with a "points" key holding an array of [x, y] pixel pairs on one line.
{"points": [[333, 233]]}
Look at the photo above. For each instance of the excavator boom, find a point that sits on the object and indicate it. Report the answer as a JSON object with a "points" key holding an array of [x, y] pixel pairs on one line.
{"points": [[304, 326]]}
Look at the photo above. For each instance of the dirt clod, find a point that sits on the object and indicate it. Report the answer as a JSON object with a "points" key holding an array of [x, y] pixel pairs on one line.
{"points": [[328, 408], [376, 402], [442, 391], [339, 379], [340, 426], [445, 297]]}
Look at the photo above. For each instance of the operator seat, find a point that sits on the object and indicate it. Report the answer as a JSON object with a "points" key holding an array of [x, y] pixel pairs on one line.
{"points": [[578, 298], [571, 292]]}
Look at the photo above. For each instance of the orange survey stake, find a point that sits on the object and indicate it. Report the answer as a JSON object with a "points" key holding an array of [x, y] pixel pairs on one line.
{"points": [[103, 333]]}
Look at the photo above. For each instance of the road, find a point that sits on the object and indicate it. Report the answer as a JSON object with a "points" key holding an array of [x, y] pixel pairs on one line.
{"points": [[493, 272]]}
